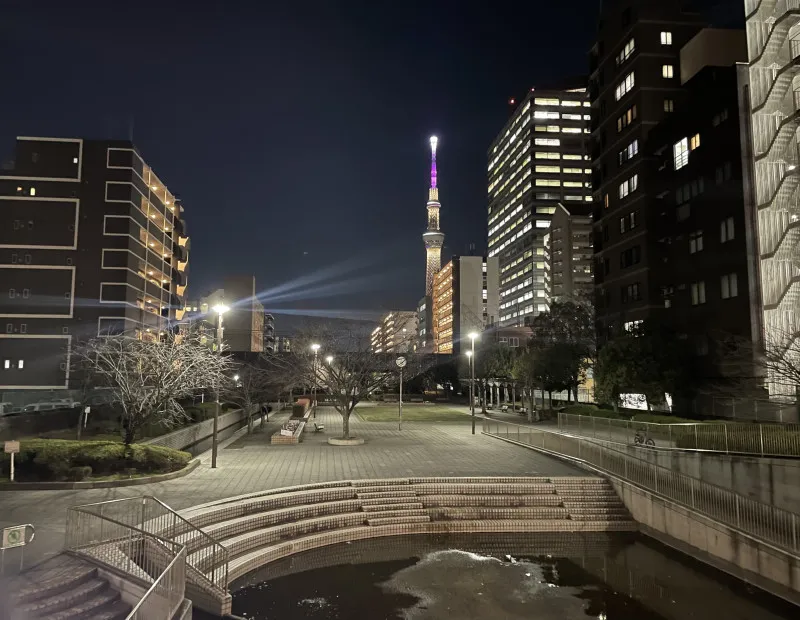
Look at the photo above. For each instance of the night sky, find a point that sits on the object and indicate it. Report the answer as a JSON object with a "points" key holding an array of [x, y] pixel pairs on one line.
{"points": [[296, 133]]}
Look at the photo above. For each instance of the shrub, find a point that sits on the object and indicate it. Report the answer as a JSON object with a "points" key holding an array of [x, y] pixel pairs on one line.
{"points": [[63, 459]]}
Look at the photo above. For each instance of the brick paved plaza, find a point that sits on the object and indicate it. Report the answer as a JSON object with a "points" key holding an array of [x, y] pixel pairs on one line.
{"points": [[249, 463]]}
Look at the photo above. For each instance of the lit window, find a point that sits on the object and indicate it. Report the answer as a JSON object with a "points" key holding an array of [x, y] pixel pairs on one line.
{"points": [[605, 201], [545, 114], [550, 169], [667, 71], [628, 186], [21, 363], [573, 184], [542, 101], [730, 286], [33, 191], [726, 230], [695, 141], [695, 241], [6, 364], [666, 38], [545, 155], [680, 153], [626, 52], [547, 142], [570, 104], [542, 224], [548, 182], [624, 87], [698, 293], [571, 130], [669, 105]]}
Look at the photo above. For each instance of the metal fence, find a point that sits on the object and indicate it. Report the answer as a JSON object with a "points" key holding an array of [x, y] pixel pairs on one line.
{"points": [[152, 516], [778, 527], [145, 557], [728, 437]]}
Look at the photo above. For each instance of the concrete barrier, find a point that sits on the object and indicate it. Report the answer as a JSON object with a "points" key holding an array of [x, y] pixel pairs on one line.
{"points": [[193, 438]]}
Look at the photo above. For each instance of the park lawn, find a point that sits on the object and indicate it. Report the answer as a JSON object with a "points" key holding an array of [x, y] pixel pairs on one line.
{"points": [[411, 413]]}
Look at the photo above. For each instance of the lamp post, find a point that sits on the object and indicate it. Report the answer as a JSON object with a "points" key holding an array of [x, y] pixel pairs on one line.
{"points": [[220, 309], [315, 349], [472, 336]]}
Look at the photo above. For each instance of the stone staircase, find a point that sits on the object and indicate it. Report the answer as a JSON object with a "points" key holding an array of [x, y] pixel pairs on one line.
{"points": [[263, 527], [65, 588]]}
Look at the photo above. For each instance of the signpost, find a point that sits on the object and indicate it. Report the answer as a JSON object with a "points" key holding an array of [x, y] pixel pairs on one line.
{"points": [[401, 363], [12, 448], [15, 536]]}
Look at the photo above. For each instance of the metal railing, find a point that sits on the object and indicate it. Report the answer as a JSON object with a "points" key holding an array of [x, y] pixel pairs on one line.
{"points": [[728, 437], [778, 527], [158, 563], [152, 516]]}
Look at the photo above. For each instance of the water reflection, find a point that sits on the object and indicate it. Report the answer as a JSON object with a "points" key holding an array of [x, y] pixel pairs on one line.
{"points": [[547, 577]]}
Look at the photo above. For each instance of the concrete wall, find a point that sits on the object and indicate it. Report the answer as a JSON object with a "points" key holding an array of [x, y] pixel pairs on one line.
{"points": [[769, 480], [197, 437], [717, 544]]}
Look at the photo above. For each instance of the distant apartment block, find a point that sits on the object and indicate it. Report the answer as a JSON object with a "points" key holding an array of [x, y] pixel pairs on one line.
{"points": [[92, 242], [395, 333], [540, 159], [568, 255], [465, 299]]}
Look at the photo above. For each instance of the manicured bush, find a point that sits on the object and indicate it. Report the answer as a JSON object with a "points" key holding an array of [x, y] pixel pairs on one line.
{"points": [[62, 459]]}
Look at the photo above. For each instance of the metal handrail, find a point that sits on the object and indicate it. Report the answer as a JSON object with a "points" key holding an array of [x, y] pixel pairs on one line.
{"points": [[141, 555], [153, 516], [152, 602], [726, 437], [770, 525]]}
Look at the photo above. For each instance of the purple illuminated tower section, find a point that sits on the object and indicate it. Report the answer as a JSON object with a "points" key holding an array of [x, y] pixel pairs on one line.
{"points": [[433, 237]]}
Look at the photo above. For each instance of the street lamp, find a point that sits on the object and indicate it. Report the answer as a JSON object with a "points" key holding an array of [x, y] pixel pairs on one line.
{"points": [[471, 353], [315, 349], [220, 309], [329, 359]]}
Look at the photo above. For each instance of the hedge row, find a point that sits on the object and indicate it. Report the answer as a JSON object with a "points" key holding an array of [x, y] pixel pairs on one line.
{"points": [[42, 460]]}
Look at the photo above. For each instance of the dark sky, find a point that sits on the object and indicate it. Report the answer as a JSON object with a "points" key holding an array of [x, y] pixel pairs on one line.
{"points": [[296, 133]]}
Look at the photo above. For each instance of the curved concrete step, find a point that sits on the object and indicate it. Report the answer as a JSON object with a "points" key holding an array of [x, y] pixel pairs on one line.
{"points": [[398, 520], [473, 513], [510, 501], [380, 501], [392, 506], [385, 494]]}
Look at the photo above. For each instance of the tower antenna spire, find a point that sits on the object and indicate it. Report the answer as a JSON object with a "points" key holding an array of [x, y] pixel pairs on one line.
{"points": [[434, 142], [433, 236]]}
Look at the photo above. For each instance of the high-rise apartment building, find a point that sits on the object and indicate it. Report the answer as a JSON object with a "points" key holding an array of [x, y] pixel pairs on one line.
{"points": [[395, 332], [568, 255], [634, 84], [465, 299], [92, 242], [773, 51], [538, 160]]}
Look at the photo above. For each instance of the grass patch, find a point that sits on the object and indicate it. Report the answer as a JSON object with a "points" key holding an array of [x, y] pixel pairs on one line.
{"points": [[411, 413], [45, 460]]}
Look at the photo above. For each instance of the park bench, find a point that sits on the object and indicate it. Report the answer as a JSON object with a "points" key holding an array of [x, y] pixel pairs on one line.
{"points": [[318, 428]]}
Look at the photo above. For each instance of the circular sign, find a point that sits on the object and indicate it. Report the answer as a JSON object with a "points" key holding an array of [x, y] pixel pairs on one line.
{"points": [[15, 536], [401, 362]]}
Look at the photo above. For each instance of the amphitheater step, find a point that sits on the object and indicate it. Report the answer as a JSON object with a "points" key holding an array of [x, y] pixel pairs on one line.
{"points": [[399, 520], [360, 490], [410, 512], [385, 494], [379, 501], [392, 506]]}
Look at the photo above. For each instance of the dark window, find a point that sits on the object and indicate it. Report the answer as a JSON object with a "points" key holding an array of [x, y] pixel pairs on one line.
{"points": [[629, 257]]}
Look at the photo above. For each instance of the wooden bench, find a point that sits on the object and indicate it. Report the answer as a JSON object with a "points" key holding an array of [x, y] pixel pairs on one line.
{"points": [[318, 428]]}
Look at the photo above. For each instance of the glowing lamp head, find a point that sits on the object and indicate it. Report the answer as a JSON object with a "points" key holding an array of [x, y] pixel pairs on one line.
{"points": [[315, 347], [235, 377], [329, 359], [473, 335], [469, 353], [220, 308]]}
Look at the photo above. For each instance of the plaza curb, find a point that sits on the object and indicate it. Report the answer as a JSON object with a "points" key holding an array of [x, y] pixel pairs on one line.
{"points": [[100, 484]]}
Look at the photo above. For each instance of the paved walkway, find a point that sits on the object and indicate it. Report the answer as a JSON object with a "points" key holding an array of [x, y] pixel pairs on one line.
{"points": [[249, 463]]}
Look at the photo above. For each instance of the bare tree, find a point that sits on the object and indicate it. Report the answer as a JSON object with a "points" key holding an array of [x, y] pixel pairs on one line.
{"points": [[252, 385], [345, 368], [146, 379]]}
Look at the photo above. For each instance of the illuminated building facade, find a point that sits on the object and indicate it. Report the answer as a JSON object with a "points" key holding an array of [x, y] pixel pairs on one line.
{"points": [[568, 255], [395, 333], [433, 237], [91, 242], [465, 298], [773, 41], [539, 159]]}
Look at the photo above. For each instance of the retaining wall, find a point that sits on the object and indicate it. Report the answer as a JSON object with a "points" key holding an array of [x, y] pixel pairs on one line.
{"points": [[774, 481], [719, 545], [197, 437]]}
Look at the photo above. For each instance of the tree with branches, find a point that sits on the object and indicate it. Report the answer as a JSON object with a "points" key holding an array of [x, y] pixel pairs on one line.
{"points": [[252, 385], [345, 368], [148, 378]]}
